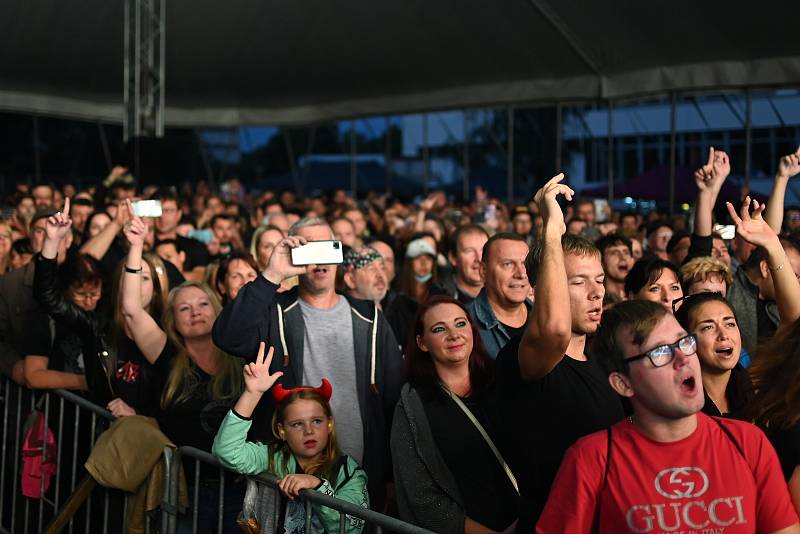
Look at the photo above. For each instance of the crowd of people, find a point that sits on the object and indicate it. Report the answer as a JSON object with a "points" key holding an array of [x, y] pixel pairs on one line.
{"points": [[484, 367]]}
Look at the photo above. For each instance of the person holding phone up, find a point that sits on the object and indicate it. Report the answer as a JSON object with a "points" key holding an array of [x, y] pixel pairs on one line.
{"points": [[318, 333]]}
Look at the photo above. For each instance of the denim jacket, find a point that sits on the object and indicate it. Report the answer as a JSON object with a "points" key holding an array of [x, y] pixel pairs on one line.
{"points": [[493, 333]]}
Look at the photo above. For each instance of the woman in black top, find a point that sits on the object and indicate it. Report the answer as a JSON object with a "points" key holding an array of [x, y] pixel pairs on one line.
{"points": [[447, 477]]}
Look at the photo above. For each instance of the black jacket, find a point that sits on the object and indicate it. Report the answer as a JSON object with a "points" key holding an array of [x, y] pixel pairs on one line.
{"points": [[87, 329], [260, 313]]}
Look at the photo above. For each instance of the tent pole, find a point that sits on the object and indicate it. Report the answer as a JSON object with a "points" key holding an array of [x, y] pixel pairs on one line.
{"points": [[510, 156], [104, 144], [748, 139], [37, 154], [466, 156], [559, 127], [425, 154], [353, 167], [611, 152], [387, 155], [673, 137]]}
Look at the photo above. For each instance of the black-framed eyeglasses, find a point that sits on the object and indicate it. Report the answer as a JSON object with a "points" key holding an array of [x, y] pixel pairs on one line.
{"points": [[676, 303], [664, 354]]}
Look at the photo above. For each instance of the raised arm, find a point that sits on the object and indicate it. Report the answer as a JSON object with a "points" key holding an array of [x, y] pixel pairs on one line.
{"points": [[755, 230], [547, 334], [99, 244], [709, 180], [230, 444], [788, 166], [144, 330], [45, 287], [244, 322]]}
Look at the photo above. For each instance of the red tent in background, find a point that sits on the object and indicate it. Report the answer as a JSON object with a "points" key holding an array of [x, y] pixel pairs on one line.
{"points": [[654, 185]]}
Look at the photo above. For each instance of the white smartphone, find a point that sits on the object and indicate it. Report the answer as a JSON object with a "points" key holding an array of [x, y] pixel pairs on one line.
{"points": [[726, 231], [318, 253], [147, 208]]}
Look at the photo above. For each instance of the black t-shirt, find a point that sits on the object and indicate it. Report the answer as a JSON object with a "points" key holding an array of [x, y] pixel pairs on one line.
{"points": [[193, 417], [514, 331], [196, 252], [133, 378], [489, 497], [538, 421], [739, 394], [787, 445]]}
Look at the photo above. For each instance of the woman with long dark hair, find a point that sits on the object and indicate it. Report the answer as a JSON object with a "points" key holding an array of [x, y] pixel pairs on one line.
{"points": [[449, 476]]}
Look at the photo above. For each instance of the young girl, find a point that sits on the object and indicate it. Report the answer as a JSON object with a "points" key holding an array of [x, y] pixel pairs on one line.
{"points": [[305, 455]]}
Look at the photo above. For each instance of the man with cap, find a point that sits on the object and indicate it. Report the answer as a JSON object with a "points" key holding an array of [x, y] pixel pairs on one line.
{"points": [[17, 305], [501, 308], [365, 274]]}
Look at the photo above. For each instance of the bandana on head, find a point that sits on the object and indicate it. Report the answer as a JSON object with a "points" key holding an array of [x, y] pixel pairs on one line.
{"points": [[359, 258]]}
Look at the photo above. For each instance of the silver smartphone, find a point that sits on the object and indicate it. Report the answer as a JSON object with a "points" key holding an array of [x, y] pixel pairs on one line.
{"points": [[318, 253], [147, 208]]}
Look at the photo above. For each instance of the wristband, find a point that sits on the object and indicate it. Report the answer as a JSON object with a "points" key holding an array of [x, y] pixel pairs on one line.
{"points": [[133, 271], [778, 268]]}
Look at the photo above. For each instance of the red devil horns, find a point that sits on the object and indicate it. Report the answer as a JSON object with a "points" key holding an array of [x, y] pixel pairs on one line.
{"points": [[325, 390]]}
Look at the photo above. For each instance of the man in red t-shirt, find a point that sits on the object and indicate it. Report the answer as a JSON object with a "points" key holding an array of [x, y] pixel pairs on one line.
{"points": [[667, 468]]}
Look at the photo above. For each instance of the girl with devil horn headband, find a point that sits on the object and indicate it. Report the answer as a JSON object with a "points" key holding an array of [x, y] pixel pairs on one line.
{"points": [[304, 455]]}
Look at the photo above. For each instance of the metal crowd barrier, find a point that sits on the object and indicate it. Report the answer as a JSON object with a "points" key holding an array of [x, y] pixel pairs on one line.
{"points": [[76, 424], [380, 523]]}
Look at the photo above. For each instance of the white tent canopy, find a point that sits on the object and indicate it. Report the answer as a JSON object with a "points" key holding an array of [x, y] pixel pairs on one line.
{"points": [[243, 62]]}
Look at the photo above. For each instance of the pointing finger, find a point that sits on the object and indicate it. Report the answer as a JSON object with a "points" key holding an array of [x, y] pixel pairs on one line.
{"points": [[710, 156]]}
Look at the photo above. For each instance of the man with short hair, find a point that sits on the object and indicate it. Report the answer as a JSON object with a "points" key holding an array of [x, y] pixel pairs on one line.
{"points": [[465, 256], [667, 467], [18, 307], [81, 208], [501, 308], [522, 223], [43, 196], [224, 228], [658, 235], [166, 228], [616, 253], [585, 210], [318, 333], [356, 216], [169, 250], [544, 376], [365, 274]]}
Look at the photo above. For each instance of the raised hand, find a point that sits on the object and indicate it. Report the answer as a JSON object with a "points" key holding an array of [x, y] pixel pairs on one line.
{"points": [[789, 165], [58, 225], [135, 229], [280, 265], [546, 200], [257, 378], [712, 175], [752, 227], [290, 485], [429, 203]]}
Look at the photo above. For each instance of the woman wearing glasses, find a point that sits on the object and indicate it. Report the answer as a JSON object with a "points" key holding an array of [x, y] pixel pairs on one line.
{"points": [[67, 360]]}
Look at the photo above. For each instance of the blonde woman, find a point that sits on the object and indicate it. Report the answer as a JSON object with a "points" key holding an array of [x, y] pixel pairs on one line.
{"points": [[198, 382]]}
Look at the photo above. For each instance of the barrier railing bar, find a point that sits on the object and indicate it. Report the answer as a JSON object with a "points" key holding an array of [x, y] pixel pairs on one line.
{"points": [[74, 459], [28, 501], [17, 449], [87, 522], [44, 456], [342, 522], [6, 401], [105, 512], [83, 403], [196, 500], [309, 511], [380, 521], [221, 504], [58, 450]]}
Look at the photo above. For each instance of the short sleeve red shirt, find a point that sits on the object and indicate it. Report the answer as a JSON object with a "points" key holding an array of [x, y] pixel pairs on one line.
{"points": [[699, 484]]}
